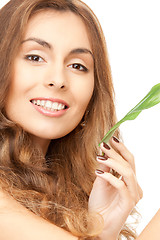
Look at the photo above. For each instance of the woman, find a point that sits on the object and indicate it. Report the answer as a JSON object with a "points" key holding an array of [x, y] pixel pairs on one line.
{"points": [[57, 102]]}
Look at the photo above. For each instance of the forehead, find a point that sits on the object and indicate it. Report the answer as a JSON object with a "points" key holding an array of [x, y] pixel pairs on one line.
{"points": [[55, 26]]}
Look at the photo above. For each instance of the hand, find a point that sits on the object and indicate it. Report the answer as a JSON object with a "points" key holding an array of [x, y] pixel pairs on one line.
{"points": [[114, 198]]}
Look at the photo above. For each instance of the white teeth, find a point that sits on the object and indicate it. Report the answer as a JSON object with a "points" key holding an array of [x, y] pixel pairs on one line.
{"points": [[60, 106], [46, 104], [42, 103], [38, 102], [55, 105]]}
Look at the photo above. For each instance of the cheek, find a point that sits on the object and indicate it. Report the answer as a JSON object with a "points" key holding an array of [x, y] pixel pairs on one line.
{"points": [[16, 98], [83, 93], [85, 98], [25, 76]]}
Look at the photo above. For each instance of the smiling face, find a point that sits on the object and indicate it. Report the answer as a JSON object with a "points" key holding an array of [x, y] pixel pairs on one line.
{"points": [[53, 76]]}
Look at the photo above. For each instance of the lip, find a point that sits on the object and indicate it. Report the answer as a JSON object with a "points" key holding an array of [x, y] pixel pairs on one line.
{"points": [[52, 100], [48, 112]]}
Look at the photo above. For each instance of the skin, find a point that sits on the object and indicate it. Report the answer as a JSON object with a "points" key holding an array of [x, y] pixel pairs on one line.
{"points": [[57, 75], [55, 72], [17, 223], [151, 231], [114, 198]]}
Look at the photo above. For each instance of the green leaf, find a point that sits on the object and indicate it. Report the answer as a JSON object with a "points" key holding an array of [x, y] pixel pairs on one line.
{"points": [[150, 100]]}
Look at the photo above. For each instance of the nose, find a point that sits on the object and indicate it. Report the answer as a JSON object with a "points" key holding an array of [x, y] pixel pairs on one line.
{"points": [[56, 78], [60, 86]]}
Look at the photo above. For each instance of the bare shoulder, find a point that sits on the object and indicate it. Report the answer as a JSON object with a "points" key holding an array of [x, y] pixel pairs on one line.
{"points": [[152, 230], [17, 222]]}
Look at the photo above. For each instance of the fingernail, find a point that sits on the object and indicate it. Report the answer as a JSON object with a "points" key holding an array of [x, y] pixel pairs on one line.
{"points": [[99, 171], [102, 158], [116, 139], [105, 145]]}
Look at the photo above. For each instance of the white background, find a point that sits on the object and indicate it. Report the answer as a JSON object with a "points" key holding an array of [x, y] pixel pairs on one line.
{"points": [[132, 31]]}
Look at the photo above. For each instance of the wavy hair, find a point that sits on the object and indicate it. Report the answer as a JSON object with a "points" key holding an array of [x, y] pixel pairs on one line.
{"points": [[57, 186]]}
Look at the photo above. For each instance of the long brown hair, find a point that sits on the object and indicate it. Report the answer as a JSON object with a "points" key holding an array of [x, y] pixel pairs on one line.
{"points": [[56, 187]]}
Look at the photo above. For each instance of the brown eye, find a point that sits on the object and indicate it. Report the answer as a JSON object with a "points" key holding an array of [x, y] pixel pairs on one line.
{"points": [[79, 67], [34, 58]]}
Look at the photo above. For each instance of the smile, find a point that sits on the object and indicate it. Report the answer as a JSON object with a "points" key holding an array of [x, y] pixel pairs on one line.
{"points": [[50, 107]]}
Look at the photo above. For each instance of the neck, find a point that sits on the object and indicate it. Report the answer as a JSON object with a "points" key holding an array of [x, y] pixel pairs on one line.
{"points": [[42, 144]]}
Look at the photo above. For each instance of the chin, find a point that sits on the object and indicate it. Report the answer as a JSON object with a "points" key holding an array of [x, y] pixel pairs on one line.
{"points": [[49, 135]]}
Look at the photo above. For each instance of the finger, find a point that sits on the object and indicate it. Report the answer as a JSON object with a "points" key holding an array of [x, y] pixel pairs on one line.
{"points": [[125, 153], [102, 166], [109, 151], [128, 156], [116, 183], [140, 191], [122, 153], [123, 168], [128, 176]]}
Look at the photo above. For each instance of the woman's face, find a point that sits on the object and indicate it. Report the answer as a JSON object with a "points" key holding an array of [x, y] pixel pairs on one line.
{"points": [[53, 76]]}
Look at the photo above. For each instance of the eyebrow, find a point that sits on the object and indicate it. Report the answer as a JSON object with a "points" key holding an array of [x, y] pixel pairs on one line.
{"points": [[39, 41], [49, 46], [81, 51]]}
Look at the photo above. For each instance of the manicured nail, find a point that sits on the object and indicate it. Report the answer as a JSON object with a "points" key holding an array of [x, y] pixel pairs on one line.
{"points": [[99, 157], [116, 139], [105, 145], [99, 171]]}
